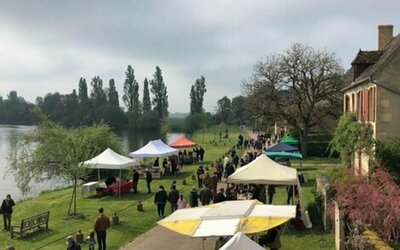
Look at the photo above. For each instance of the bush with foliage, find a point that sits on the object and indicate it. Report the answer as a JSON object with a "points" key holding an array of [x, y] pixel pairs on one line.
{"points": [[373, 200], [356, 238], [352, 136], [388, 153]]}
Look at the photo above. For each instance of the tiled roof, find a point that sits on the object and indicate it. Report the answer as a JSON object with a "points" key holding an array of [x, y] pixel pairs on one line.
{"points": [[367, 57], [380, 57], [389, 50]]}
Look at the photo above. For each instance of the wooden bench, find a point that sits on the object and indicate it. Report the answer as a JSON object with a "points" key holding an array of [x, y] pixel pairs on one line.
{"points": [[34, 222]]}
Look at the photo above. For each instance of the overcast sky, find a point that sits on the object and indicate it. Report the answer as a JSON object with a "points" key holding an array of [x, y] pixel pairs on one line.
{"points": [[46, 46]]}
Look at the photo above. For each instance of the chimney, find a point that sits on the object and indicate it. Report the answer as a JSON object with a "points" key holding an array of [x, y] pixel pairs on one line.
{"points": [[385, 34]]}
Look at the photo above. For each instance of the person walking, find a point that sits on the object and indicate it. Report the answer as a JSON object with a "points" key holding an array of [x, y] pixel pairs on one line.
{"points": [[173, 198], [206, 195], [193, 198], [135, 181], [149, 179], [160, 199], [101, 225], [7, 209]]}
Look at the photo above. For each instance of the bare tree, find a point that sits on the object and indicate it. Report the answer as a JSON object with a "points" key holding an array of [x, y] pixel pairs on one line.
{"points": [[301, 87]]}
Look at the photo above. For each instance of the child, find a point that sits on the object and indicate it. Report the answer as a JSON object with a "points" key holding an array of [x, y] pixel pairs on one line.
{"points": [[181, 202], [91, 241]]}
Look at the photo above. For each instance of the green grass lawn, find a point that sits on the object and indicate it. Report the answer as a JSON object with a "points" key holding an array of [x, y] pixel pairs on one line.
{"points": [[134, 223]]}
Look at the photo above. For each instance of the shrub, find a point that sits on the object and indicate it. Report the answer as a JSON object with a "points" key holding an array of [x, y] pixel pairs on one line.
{"points": [[374, 201], [318, 149], [388, 153]]}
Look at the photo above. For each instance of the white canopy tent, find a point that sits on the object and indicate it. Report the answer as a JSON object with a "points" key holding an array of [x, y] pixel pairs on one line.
{"points": [[155, 148], [108, 159], [265, 171], [241, 242]]}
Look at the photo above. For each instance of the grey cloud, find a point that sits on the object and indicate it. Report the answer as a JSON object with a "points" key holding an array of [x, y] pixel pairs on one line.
{"points": [[218, 39]]}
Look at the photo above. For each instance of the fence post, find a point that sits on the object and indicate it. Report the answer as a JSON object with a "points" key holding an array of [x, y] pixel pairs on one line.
{"points": [[339, 229]]}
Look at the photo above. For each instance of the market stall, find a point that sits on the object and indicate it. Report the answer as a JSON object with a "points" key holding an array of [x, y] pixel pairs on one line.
{"points": [[265, 171], [109, 159], [152, 149]]}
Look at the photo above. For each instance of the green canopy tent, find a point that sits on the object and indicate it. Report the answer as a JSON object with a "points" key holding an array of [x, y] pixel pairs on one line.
{"points": [[289, 140], [284, 155]]}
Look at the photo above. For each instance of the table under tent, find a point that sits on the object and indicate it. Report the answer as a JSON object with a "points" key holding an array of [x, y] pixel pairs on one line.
{"points": [[265, 171], [109, 159], [153, 149]]}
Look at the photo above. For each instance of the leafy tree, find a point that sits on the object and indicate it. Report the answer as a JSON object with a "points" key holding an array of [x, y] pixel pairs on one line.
{"points": [[15, 110], [54, 107], [237, 107], [301, 87], [71, 107], [83, 112], [223, 112], [113, 98], [197, 95], [131, 95], [195, 122], [112, 115], [146, 97], [150, 121], [83, 92], [98, 96], [352, 137], [51, 152], [160, 96]]}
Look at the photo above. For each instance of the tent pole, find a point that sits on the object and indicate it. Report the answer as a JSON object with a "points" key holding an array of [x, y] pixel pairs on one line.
{"points": [[120, 180], [202, 242], [98, 174]]}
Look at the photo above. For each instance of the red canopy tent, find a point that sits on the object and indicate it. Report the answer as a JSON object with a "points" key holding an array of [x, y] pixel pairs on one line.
{"points": [[182, 142]]}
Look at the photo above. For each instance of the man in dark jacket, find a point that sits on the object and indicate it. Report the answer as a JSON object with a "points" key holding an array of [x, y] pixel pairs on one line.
{"points": [[193, 198], [135, 180], [7, 210], [229, 170], [206, 195], [149, 179], [173, 198], [160, 199], [220, 196]]}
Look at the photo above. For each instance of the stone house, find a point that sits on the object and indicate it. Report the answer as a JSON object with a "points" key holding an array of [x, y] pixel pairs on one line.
{"points": [[374, 93]]}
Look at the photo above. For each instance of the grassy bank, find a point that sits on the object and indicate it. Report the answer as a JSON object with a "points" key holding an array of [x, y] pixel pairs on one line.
{"points": [[134, 223]]}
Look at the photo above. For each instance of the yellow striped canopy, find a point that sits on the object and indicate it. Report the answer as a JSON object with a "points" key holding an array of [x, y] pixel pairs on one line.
{"points": [[227, 218]]}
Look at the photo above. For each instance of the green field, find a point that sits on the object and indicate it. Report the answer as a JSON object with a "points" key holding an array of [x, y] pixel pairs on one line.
{"points": [[134, 223]]}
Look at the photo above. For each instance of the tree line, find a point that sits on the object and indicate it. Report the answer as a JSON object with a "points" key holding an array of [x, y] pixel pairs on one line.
{"points": [[94, 102]]}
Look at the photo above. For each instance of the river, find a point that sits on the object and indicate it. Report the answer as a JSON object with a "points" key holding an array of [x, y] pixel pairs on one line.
{"points": [[8, 133]]}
